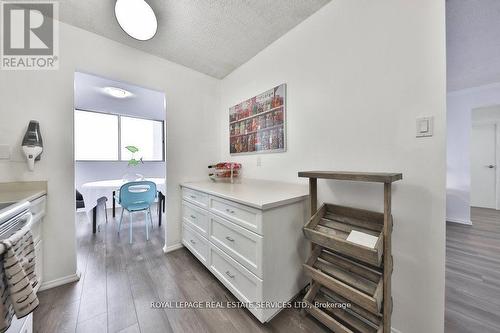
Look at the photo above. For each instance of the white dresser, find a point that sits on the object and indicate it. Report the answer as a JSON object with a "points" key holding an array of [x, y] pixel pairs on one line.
{"points": [[249, 236]]}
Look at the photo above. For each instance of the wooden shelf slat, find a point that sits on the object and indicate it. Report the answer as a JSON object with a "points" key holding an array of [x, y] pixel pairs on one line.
{"points": [[374, 177]]}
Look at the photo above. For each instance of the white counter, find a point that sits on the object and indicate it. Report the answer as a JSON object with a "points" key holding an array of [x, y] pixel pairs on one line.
{"points": [[260, 194], [22, 191]]}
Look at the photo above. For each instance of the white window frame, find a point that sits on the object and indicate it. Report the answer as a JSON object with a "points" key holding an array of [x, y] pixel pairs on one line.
{"points": [[120, 136]]}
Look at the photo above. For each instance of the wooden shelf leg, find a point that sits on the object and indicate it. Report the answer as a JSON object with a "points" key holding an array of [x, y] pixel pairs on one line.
{"points": [[313, 194], [387, 310]]}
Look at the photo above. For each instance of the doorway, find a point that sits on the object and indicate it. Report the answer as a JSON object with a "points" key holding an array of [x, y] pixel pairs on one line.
{"points": [[483, 157], [119, 138]]}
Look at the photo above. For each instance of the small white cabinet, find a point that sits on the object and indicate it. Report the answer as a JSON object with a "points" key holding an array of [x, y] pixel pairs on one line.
{"points": [[249, 236]]}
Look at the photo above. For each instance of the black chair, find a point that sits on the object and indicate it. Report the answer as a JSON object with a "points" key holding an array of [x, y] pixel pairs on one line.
{"points": [[79, 200]]}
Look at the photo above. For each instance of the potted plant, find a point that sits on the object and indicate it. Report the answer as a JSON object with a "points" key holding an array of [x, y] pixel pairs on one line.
{"points": [[133, 162]]}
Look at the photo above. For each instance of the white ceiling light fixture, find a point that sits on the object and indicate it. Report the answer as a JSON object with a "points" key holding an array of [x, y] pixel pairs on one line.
{"points": [[117, 92], [136, 18]]}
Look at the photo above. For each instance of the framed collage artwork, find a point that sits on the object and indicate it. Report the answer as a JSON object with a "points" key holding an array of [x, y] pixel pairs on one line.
{"points": [[257, 125]]}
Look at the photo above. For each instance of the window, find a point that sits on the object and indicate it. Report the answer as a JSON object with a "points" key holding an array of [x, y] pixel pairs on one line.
{"points": [[145, 134], [96, 136], [103, 137]]}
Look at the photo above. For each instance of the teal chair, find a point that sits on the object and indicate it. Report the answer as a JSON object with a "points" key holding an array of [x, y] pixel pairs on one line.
{"points": [[137, 197]]}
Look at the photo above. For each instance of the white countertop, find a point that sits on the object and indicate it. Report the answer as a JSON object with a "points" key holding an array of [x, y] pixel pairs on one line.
{"points": [[19, 191], [260, 194]]}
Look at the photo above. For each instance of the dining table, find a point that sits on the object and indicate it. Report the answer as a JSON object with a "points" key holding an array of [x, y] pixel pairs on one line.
{"points": [[94, 190]]}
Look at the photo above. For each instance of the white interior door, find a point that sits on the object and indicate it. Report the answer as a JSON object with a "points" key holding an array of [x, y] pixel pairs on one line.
{"points": [[483, 166]]}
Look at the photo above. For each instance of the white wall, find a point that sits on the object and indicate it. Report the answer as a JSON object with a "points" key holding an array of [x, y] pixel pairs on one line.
{"points": [[358, 74], [92, 171], [488, 114], [460, 105], [48, 97]]}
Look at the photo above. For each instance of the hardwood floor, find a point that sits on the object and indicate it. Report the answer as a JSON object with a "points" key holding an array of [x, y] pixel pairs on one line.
{"points": [[473, 274], [119, 281]]}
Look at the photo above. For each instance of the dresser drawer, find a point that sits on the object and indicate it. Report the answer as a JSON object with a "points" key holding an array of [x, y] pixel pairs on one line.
{"points": [[195, 243], [242, 245], [196, 197], [243, 284], [195, 217], [242, 215]]}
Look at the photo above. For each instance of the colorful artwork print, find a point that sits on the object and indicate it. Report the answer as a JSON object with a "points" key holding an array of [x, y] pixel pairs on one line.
{"points": [[257, 125]]}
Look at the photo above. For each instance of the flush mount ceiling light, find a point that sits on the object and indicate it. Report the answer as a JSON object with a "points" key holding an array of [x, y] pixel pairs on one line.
{"points": [[136, 18], [117, 92]]}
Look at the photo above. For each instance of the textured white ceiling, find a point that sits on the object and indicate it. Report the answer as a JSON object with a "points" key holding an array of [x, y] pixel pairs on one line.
{"points": [[210, 36], [473, 43]]}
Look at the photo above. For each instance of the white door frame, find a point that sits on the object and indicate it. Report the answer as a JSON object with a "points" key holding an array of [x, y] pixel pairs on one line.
{"points": [[497, 157]]}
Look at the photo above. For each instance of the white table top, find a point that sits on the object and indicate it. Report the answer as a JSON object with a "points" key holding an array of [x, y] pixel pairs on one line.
{"points": [[260, 194], [92, 191]]}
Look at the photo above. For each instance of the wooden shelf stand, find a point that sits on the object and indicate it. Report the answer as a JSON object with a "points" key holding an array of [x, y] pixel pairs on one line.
{"points": [[343, 272]]}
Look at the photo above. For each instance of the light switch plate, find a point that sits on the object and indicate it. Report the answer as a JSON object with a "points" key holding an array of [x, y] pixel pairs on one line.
{"points": [[425, 126], [4, 152]]}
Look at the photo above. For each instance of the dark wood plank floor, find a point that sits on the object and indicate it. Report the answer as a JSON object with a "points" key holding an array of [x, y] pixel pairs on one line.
{"points": [[473, 274], [119, 281]]}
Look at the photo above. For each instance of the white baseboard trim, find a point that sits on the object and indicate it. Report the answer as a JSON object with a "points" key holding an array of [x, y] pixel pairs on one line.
{"points": [[467, 222], [167, 249], [393, 330], [60, 281]]}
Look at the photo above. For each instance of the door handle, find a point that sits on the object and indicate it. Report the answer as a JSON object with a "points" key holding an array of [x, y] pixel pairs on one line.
{"points": [[491, 166]]}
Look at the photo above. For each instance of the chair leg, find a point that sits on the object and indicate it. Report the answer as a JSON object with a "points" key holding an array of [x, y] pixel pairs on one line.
{"points": [[130, 228], [121, 219], [146, 224], [151, 218], [106, 212]]}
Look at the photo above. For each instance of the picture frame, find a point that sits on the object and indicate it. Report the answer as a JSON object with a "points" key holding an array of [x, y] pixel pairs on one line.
{"points": [[258, 124]]}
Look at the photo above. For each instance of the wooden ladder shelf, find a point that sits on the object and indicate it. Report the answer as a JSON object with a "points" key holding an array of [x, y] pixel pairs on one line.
{"points": [[343, 272]]}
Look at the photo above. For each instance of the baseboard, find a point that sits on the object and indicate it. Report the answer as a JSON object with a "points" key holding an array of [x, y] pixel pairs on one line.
{"points": [[60, 281], [167, 249], [461, 221], [393, 330]]}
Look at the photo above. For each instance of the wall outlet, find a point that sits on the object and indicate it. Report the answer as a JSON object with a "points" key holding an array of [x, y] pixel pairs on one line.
{"points": [[259, 161], [4, 152]]}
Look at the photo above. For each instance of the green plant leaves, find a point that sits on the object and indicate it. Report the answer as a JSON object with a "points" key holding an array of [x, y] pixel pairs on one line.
{"points": [[132, 149], [134, 162]]}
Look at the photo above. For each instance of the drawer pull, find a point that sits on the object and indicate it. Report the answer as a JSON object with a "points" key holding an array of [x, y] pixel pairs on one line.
{"points": [[229, 274], [192, 241], [193, 217], [193, 196], [229, 211], [230, 239]]}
